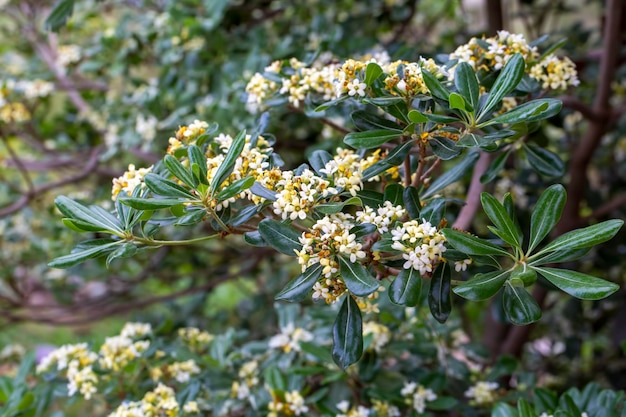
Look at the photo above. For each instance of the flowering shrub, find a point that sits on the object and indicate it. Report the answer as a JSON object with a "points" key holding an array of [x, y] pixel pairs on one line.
{"points": [[371, 241]]}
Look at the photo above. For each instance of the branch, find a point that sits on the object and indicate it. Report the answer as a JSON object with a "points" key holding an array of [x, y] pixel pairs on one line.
{"points": [[467, 213], [25, 199]]}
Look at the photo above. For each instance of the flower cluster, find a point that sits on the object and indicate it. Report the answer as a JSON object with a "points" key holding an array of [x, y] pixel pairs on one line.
{"points": [[290, 403], [248, 379], [405, 78], [289, 338], [555, 73], [422, 246], [196, 340], [491, 54], [129, 181], [296, 195], [159, 402], [119, 351], [417, 396], [383, 217], [482, 393], [12, 353], [76, 362], [380, 334]]}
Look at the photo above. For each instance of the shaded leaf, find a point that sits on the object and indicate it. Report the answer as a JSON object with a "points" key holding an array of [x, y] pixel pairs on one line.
{"points": [[357, 278], [439, 300], [452, 175], [577, 284], [280, 236], [546, 214], [299, 288], [406, 288], [482, 286], [348, 334], [519, 306]]}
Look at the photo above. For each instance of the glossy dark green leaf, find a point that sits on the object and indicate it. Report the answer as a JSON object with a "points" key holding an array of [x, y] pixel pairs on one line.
{"points": [[59, 15], [166, 188], [366, 120], [519, 306], [243, 215], [544, 400], [259, 190], [331, 103], [567, 255], [577, 284], [299, 288], [177, 169], [507, 80], [544, 162], [125, 250], [370, 138], [434, 86], [81, 226], [332, 208], [439, 300], [524, 409], [363, 229], [318, 161], [466, 83], [412, 203], [452, 175], [585, 237], [280, 236], [254, 238], [494, 169], [235, 188], [394, 194], [148, 203], [472, 245], [357, 278], [434, 211], [198, 161], [394, 158], [348, 334], [444, 148], [482, 286], [546, 214], [191, 217], [406, 288], [88, 215], [501, 409], [79, 255], [529, 112], [370, 198], [227, 165], [500, 218]]}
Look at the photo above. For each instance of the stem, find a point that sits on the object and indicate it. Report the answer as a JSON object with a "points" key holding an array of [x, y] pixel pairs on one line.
{"points": [[151, 242]]}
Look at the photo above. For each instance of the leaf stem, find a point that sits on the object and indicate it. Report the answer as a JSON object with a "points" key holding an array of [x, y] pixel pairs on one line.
{"points": [[152, 242]]}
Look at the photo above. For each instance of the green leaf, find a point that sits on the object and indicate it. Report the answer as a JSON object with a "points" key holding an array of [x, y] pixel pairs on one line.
{"points": [[370, 138], [126, 250], [452, 175], [577, 284], [433, 211], [586, 237], [282, 237], [406, 288], [332, 208], [81, 255], [366, 120], [417, 117], [394, 194], [198, 161], [519, 306], [529, 112], [81, 226], [363, 229], [348, 334], [319, 159], [254, 238], [88, 215], [357, 278], [235, 188], [456, 101], [509, 78], [467, 84], [371, 198], [331, 103], [372, 72], [544, 162], [394, 158], [494, 169], [482, 286], [500, 218], [546, 214], [503, 410], [472, 245], [259, 190], [59, 15], [434, 86], [177, 169], [411, 198], [439, 300], [299, 288], [524, 409], [227, 166], [444, 148], [166, 188], [148, 203], [560, 256]]}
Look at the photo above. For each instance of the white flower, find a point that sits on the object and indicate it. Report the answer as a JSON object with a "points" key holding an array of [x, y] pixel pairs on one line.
{"points": [[483, 392], [356, 88]]}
